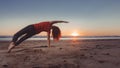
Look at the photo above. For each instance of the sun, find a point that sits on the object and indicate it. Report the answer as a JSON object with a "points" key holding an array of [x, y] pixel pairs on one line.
{"points": [[75, 34]]}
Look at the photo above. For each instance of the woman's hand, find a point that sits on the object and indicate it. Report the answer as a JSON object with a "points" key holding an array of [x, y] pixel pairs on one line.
{"points": [[65, 21]]}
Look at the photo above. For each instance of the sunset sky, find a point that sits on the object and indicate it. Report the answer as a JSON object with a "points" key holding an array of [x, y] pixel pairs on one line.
{"points": [[86, 17]]}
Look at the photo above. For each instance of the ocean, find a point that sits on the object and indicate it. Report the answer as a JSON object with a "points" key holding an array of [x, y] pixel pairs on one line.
{"points": [[9, 38]]}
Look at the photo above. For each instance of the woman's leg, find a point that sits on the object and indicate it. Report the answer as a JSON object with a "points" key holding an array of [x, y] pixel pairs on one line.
{"points": [[26, 36], [27, 32], [15, 38], [20, 33]]}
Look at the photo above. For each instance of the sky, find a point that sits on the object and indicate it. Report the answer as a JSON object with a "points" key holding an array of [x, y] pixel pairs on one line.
{"points": [[86, 17]]}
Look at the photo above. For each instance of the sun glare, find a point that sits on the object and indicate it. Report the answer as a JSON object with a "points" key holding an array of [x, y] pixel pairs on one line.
{"points": [[75, 34]]}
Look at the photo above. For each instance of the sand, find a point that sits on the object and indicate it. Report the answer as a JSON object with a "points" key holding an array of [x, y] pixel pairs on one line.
{"points": [[62, 54]]}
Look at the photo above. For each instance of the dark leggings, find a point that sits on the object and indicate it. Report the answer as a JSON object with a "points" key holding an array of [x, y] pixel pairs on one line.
{"points": [[23, 34]]}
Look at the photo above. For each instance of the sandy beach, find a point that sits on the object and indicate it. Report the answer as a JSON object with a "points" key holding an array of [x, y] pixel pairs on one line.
{"points": [[62, 54]]}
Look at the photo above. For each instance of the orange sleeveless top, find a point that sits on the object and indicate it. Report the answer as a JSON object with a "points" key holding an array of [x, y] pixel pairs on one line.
{"points": [[42, 26]]}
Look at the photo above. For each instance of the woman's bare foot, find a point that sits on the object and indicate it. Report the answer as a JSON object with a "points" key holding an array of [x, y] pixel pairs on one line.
{"points": [[11, 46]]}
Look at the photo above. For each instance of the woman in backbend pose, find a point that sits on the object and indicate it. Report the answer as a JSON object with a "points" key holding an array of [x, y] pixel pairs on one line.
{"points": [[34, 29]]}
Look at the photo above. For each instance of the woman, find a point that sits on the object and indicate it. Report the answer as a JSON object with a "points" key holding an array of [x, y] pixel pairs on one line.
{"points": [[34, 29]]}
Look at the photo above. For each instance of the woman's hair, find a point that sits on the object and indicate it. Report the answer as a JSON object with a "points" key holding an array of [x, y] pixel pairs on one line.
{"points": [[56, 33]]}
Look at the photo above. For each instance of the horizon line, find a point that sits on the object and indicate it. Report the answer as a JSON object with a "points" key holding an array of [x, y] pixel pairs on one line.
{"points": [[3, 36]]}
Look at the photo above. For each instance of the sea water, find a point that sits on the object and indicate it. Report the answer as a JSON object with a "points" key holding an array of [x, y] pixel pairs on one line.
{"points": [[9, 38]]}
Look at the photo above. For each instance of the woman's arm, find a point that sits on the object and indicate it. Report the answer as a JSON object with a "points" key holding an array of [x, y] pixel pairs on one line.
{"points": [[54, 22], [48, 33]]}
